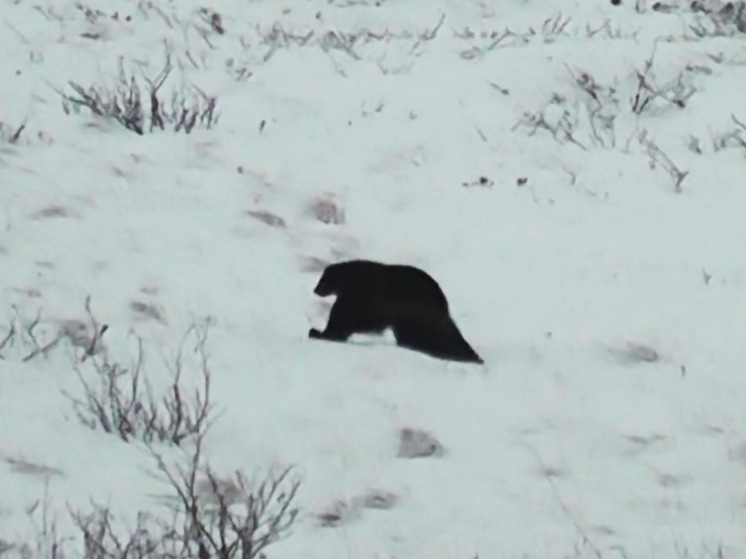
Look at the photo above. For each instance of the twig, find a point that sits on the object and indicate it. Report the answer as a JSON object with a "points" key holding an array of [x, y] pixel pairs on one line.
{"points": [[43, 350], [17, 134], [97, 330], [659, 156], [563, 506], [7, 338]]}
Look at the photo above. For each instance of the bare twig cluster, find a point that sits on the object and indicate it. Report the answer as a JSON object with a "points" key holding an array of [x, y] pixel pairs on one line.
{"points": [[735, 137], [715, 18], [278, 38], [659, 157], [674, 92], [723, 17], [31, 338], [26, 337], [556, 119], [120, 400], [709, 27], [607, 31], [48, 544], [127, 105], [601, 108], [208, 517], [420, 37], [591, 119], [228, 517], [101, 541], [338, 40], [551, 28]]}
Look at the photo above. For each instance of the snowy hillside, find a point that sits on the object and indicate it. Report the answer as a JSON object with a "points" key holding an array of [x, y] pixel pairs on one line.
{"points": [[571, 172]]}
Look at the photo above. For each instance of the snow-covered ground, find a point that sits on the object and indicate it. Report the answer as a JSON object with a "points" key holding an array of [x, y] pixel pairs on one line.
{"points": [[604, 289]]}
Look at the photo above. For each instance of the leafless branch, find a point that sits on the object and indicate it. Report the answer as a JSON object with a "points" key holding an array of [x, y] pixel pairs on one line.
{"points": [[657, 155], [7, 338], [229, 517], [121, 401]]}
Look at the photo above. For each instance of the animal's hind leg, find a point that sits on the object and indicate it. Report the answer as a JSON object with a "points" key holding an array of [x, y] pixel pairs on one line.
{"points": [[440, 339], [409, 334]]}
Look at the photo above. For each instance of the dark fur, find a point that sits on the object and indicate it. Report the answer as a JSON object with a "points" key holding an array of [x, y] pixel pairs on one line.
{"points": [[372, 297]]}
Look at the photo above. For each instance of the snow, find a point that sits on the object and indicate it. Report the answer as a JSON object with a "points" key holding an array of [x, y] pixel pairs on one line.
{"points": [[608, 419]]}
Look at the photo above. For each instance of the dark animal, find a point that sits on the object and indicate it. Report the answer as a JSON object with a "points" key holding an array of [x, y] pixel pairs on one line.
{"points": [[372, 297]]}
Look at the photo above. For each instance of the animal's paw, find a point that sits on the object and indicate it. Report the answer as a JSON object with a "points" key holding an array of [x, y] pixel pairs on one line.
{"points": [[313, 333]]}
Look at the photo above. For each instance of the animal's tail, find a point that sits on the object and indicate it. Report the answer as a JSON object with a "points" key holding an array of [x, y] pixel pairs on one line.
{"points": [[440, 339]]}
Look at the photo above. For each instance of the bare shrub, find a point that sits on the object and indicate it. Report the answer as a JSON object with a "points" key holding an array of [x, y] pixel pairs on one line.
{"points": [[207, 517], [673, 92], [659, 157], [127, 105], [714, 18], [277, 38], [227, 518], [723, 16], [590, 120], [730, 139], [560, 121], [47, 543], [338, 40], [30, 338], [100, 540], [27, 337], [602, 107], [550, 30], [120, 400]]}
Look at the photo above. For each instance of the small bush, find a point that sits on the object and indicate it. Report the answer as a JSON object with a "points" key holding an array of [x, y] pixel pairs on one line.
{"points": [[120, 399], [127, 105], [227, 518], [208, 518]]}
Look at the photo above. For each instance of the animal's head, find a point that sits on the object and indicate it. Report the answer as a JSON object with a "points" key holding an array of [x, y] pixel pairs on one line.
{"points": [[346, 277], [329, 282]]}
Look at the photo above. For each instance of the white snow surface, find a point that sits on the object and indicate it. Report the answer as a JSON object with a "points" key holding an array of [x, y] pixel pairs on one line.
{"points": [[565, 260]]}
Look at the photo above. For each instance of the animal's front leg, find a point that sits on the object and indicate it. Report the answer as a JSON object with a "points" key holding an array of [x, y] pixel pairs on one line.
{"points": [[340, 325], [333, 335]]}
